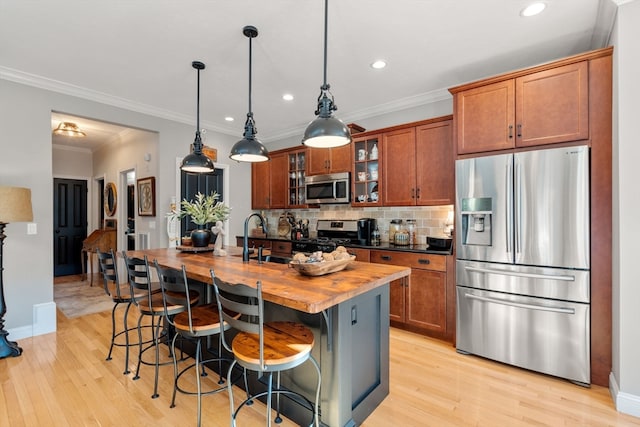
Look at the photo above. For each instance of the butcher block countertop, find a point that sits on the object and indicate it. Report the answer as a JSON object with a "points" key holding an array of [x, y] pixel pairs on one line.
{"points": [[280, 284]]}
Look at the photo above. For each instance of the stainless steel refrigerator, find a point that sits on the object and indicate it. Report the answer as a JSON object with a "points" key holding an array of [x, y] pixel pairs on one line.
{"points": [[522, 267]]}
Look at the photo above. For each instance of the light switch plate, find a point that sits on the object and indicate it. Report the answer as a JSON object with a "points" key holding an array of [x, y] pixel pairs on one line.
{"points": [[32, 228]]}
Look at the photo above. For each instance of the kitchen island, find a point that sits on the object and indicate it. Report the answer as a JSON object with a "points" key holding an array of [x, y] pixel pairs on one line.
{"points": [[348, 312]]}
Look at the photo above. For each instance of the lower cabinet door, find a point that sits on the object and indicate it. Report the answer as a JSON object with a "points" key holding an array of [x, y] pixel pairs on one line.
{"points": [[425, 303]]}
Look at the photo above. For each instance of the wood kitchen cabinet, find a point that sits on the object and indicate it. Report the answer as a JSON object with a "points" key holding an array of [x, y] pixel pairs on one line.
{"points": [[366, 171], [418, 302], [260, 181], [543, 107], [269, 181], [297, 172], [418, 164], [329, 160]]}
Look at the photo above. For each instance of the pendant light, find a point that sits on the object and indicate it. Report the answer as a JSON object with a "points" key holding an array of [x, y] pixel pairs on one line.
{"points": [[249, 148], [197, 162], [326, 131]]}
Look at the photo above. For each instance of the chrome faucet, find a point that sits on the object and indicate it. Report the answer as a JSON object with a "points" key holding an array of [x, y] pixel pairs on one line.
{"points": [[245, 241]]}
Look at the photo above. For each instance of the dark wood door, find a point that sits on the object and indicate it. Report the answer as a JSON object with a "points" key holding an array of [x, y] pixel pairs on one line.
{"points": [[69, 225], [194, 183], [278, 180]]}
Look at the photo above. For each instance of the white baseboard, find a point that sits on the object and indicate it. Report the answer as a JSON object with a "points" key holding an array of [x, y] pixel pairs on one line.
{"points": [[625, 402], [44, 322]]}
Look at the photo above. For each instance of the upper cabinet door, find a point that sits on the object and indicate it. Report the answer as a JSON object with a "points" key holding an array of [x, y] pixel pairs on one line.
{"points": [[435, 164], [278, 180], [260, 195], [329, 160], [553, 106], [399, 167], [485, 118]]}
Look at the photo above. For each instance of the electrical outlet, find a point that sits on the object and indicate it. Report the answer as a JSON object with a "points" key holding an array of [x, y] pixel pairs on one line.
{"points": [[32, 228]]}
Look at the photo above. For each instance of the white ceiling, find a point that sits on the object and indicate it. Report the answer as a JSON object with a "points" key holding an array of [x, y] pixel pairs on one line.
{"points": [[137, 54]]}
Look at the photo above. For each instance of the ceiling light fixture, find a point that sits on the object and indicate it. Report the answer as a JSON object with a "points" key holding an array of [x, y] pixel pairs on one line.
{"points": [[326, 131], [68, 129], [229, 119], [287, 97], [379, 64], [249, 148], [196, 162], [533, 9]]}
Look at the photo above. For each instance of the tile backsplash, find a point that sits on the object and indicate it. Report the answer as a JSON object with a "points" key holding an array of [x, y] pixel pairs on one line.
{"points": [[430, 220]]}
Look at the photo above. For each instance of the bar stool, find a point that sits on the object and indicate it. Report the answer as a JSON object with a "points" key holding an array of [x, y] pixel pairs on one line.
{"points": [[152, 306], [288, 344], [195, 323], [120, 294]]}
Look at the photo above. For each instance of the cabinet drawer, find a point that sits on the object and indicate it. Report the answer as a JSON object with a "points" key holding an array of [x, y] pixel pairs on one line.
{"points": [[255, 243], [281, 248], [407, 259], [362, 255]]}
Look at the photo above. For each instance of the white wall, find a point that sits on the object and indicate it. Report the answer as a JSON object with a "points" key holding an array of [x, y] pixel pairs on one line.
{"points": [[626, 205], [26, 160]]}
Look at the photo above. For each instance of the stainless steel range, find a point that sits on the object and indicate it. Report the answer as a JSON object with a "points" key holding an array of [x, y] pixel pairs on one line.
{"points": [[331, 234]]}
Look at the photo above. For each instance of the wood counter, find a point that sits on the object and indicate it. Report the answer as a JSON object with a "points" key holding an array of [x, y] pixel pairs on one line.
{"points": [[280, 284], [348, 312]]}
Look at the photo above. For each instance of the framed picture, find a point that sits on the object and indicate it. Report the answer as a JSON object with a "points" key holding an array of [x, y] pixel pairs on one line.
{"points": [[147, 196]]}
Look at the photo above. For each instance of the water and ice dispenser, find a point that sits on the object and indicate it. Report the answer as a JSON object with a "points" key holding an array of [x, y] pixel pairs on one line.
{"points": [[476, 221]]}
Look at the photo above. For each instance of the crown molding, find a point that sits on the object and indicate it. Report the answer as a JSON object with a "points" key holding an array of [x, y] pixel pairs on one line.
{"points": [[376, 110], [103, 98]]}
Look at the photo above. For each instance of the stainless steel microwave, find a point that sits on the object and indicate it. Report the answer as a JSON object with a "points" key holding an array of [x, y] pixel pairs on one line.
{"points": [[331, 188]]}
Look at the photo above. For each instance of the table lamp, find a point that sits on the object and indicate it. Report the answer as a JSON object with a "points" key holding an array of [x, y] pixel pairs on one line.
{"points": [[15, 206]]}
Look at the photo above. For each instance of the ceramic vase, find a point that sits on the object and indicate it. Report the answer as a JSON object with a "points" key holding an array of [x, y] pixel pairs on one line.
{"points": [[200, 237]]}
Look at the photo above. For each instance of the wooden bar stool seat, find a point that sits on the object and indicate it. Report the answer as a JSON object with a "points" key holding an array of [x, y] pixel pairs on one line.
{"points": [[263, 347]]}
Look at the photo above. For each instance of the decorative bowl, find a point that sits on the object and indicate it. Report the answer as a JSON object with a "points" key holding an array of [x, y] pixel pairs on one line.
{"points": [[321, 268]]}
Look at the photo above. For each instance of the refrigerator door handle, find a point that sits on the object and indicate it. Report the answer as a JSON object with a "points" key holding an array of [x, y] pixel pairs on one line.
{"points": [[521, 305], [508, 207], [517, 204], [521, 274]]}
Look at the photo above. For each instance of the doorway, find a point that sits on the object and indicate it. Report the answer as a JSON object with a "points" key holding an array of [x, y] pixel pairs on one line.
{"points": [[69, 225]]}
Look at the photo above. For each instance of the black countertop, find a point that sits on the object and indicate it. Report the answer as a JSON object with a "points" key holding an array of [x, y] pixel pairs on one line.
{"points": [[384, 246]]}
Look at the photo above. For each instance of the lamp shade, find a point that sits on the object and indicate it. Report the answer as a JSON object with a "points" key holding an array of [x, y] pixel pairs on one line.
{"points": [[249, 150], [326, 132], [15, 205]]}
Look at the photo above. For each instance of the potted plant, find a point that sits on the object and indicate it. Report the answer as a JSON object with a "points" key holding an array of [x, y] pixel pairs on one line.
{"points": [[204, 210]]}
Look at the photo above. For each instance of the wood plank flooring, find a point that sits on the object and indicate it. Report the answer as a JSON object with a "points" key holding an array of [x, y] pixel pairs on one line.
{"points": [[62, 379]]}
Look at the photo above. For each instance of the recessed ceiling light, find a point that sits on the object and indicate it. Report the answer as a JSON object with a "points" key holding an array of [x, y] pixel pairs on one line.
{"points": [[229, 118], [378, 64], [287, 97], [533, 9]]}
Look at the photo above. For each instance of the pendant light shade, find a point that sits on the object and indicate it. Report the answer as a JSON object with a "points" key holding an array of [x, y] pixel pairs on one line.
{"points": [[326, 131], [249, 148], [196, 162]]}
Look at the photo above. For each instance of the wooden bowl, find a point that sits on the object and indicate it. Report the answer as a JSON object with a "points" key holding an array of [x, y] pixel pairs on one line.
{"points": [[320, 268]]}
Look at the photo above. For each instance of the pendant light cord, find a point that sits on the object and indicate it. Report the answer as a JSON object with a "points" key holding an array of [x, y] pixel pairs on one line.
{"points": [[250, 62], [198, 108], [326, 31]]}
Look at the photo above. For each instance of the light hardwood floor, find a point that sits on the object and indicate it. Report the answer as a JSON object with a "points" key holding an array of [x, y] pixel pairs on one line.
{"points": [[62, 379]]}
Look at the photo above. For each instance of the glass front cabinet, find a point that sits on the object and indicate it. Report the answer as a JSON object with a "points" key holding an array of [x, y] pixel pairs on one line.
{"points": [[297, 161], [366, 191]]}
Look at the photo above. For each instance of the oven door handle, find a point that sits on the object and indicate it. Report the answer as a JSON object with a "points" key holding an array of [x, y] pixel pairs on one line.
{"points": [[561, 310], [521, 274]]}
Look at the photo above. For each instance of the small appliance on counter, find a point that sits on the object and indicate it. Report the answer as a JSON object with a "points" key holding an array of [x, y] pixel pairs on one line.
{"points": [[366, 228], [440, 243]]}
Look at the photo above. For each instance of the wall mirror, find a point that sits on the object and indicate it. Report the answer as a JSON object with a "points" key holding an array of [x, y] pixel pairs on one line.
{"points": [[110, 199]]}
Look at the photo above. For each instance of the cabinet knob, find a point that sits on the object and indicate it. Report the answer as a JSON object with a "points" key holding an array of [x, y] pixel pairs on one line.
{"points": [[386, 257], [510, 131], [424, 261], [519, 131], [418, 193]]}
